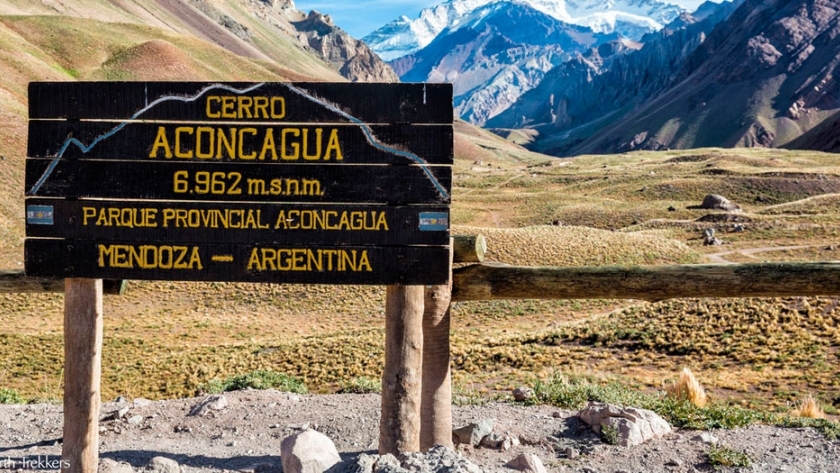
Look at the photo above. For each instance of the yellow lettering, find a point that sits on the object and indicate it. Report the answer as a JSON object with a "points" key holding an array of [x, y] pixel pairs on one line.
{"points": [[179, 153], [364, 263], [168, 216], [228, 105], [211, 114], [268, 144], [261, 107], [105, 252], [242, 155], [297, 260], [120, 257], [244, 107], [333, 146], [317, 155], [254, 262], [283, 265], [228, 143], [382, 222], [281, 221], [274, 107], [195, 259], [87, 212], [294, 145], [315, 263], [161, 142], [199, 153]]}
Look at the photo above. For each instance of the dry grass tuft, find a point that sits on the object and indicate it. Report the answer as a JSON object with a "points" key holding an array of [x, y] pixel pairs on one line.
{"points": [[688, 388], [808, 407]]}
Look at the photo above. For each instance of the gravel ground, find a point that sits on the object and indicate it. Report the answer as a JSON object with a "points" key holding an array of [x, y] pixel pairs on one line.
{"points": [[249, 430]]}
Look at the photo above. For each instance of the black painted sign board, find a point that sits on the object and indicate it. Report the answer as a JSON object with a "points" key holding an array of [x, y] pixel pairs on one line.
{"points": [[333, 183]]}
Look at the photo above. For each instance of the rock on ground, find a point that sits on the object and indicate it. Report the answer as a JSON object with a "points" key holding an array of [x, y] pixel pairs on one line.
{"points": [[719, 202], [163, 465], [473, 433], [215, 402], [309, 451], [439, 459], [629, 426], [527, 463]]}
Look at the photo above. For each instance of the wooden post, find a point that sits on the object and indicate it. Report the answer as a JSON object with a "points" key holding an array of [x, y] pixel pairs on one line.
{"points": [[399, 425], [82, 369], [436, 393], [469, 248]]}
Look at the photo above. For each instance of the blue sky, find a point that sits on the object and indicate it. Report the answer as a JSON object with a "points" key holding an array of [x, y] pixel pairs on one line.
{"points": [[360, 17]]}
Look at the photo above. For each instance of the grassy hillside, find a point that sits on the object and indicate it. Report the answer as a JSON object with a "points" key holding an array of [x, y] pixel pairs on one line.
{"points": [[614, 209], [61, 48]]}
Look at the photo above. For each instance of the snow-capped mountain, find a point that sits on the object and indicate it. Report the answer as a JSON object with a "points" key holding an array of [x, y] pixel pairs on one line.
{"points": [[491, 59], [630, 18]]}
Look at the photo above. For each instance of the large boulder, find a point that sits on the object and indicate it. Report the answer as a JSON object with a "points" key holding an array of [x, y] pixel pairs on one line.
{"points": [[624, 426], [308, 451], [528, 463], [216, 402], [719, 202], [163, 465], [473, 433]]}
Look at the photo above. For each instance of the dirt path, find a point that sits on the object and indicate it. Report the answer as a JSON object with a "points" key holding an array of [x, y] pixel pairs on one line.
{"points": [[249, 430], [719, 257]]}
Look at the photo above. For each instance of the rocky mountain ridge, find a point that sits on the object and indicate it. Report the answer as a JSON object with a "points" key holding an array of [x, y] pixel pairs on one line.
{"points": [[763, 77], [491, 60], [316, 33], [576, 98], [629, 18]]}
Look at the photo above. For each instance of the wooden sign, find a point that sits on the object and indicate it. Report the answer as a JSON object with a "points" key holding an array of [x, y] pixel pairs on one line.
{"points": [[273, 182]]}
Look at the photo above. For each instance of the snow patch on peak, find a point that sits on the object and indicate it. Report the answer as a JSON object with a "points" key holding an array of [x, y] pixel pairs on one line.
{"points": [[607, 22], [631, 18]]}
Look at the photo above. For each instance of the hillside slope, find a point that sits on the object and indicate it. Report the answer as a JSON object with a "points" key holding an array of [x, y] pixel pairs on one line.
{"points": [[268, 30], [762, 78], [60, 48], [579, 98]]}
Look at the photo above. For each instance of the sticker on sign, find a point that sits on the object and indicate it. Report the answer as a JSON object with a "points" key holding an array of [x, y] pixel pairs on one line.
{"points": [[434, 221], [39, 214]]}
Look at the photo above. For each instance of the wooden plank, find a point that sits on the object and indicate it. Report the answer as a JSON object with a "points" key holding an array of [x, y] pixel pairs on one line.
{"points": [[399, 424], [82, 373], [246, 143], [206, 222], [238, 182], [17, 282], [650, 283], [301, 102], [175, 261]]}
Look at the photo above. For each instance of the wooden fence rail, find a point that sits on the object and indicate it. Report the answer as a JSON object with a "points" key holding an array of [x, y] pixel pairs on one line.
{"points": [[649, 283]]}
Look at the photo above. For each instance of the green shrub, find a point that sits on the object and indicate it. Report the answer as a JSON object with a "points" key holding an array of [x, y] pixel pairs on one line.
{"points": [[10, 396], [721, 455], [259, 379], [360, 385], [610, 434]]}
